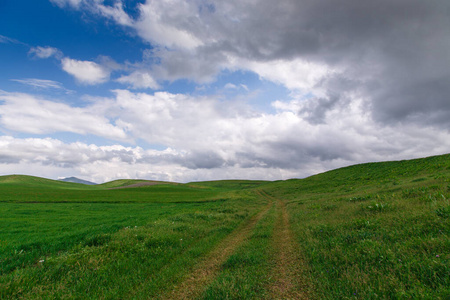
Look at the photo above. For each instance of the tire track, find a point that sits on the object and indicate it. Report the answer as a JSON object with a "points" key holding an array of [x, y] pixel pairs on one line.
{"points": [[206, 270], [287, 274]]}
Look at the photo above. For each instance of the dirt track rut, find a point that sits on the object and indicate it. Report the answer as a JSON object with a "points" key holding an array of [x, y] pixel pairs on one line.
{"points": [[207, 269], [287, 280]]}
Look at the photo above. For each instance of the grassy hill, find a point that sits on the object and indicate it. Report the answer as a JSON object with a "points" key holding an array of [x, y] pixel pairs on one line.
{"points": [[120, 183], [77, 180], [37, 182], [377, 230], [369, 231], [229, 184]]}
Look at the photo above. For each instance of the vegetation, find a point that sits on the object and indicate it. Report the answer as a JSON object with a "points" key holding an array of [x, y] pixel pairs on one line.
{"points": [[370, 231], [376, 230]]}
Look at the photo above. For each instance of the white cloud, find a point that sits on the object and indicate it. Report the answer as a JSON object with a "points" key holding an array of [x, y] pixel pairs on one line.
{"points": [[140, 80], [297, 75], [116, 13], [40, 83], [52, 158], [86, 72], [45, 52], [63, 3], [169, 23], [7, 40], [176, 120], [361, 90], [395, 64], [205, 138], [29, 114], [230, 134], [230, 86]]}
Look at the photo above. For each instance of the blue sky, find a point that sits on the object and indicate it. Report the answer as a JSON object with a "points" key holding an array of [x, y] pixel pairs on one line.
{"points": [[84, 36], [198, 90]]}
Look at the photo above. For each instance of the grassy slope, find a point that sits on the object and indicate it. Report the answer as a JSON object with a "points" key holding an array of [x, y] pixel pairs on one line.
{"points": [[52, 238], [378, 230], [369, 231], [129, 182], [229, 184], [24, 181], [27, 189]]}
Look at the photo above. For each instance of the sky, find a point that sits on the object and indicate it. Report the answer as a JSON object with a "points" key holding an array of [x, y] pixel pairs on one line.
{"points": [[206, 90]]}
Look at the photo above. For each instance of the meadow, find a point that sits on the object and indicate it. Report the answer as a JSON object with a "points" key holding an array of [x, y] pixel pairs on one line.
{"points": [[370, 231]]}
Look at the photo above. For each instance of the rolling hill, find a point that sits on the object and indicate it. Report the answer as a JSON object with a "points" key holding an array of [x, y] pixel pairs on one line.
{"points": [[368, 231], [77, 180]]}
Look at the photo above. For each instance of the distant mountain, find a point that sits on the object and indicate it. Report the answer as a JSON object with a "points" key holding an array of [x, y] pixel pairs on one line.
{"points": [[77, 180]]}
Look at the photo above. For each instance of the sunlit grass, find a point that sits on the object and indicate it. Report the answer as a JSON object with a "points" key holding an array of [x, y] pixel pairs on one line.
{"points": [[375, 231], [69, 244], [372, 231], [245, 274]]}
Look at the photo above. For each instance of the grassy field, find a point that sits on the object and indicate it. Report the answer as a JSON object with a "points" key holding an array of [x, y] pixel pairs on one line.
{"points": [[371, 231], [375, 231]]}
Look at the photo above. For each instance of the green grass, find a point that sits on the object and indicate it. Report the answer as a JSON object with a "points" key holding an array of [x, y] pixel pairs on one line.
{"points": [[24, 181], [69, 248], [245, 274], [34, 230], [370, 231], [375, 230], [229, 184], [128, 182], [78, 193]]}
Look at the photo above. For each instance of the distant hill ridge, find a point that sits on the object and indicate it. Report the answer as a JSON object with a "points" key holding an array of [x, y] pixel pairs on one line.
{"points": [[77, 180], [359, 174], [74, 183]]}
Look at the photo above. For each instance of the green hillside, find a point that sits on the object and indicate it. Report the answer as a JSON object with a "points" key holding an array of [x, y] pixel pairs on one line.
{"points": [[37, 182], [128, 182], [229, 184], [377, 230], [369, 231]]}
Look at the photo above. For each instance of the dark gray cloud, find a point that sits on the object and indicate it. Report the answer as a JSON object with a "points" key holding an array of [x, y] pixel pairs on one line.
{"points": [[400, 49], [426, 101], [9, 159], [394, 53], [369, 81], [203, 160]]}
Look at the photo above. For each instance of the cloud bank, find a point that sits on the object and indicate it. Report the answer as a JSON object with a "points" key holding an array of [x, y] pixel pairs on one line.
{"points": [[395, 54], [366, 81], [230, 140]]}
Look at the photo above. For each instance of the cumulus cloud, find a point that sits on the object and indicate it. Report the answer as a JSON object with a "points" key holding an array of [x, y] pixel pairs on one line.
{"points": [[368, 81], [87, 72], [230, 141], [28, 114], [139, 80], [53, 158], [398, 64], [169, 23], [232, 134], [115, 12], [103, 163]]}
